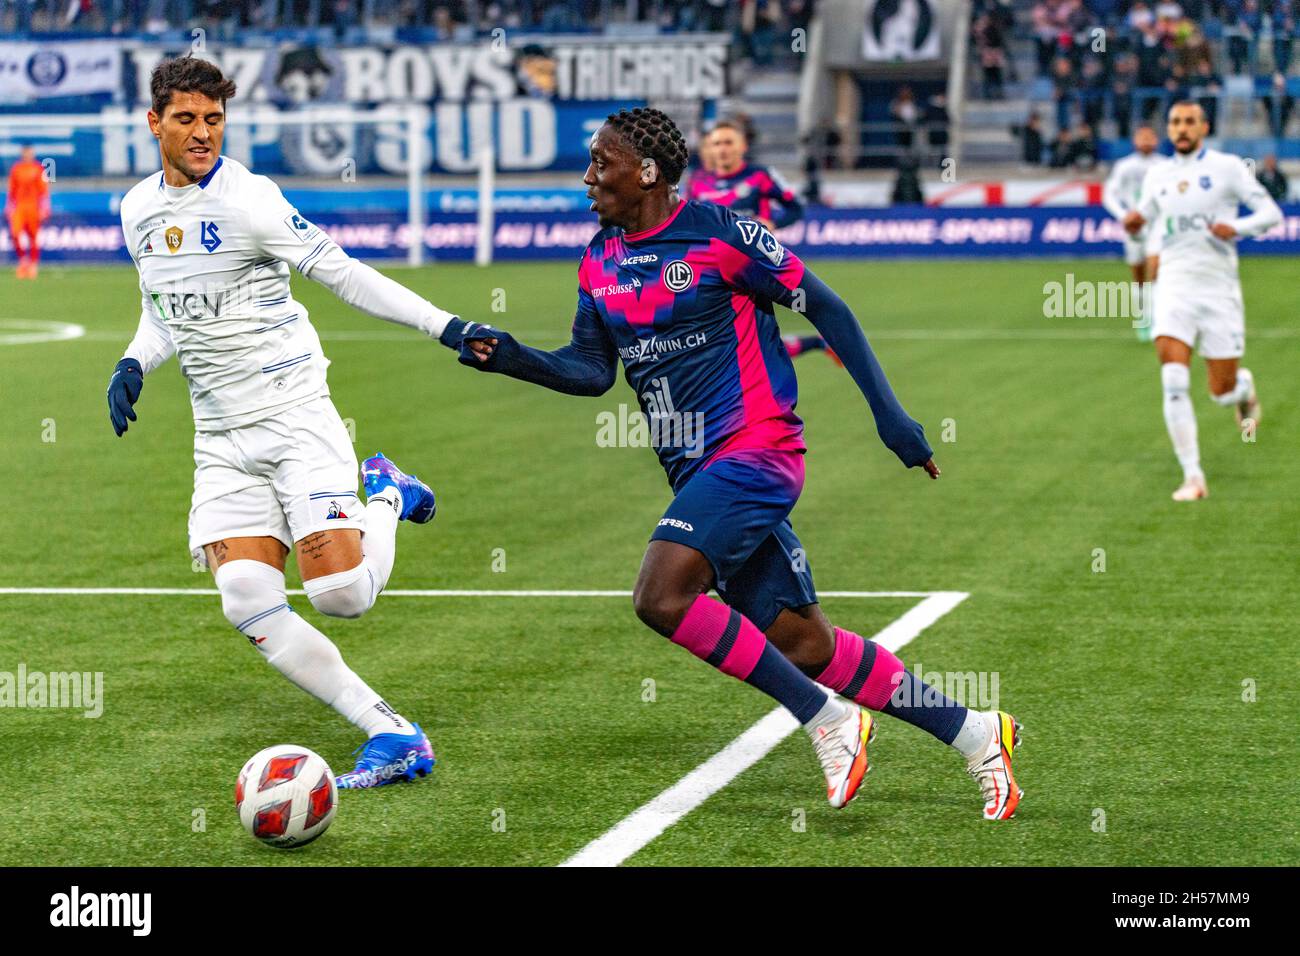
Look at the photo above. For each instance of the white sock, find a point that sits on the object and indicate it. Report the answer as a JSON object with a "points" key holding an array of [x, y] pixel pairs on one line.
{"points": [[974, 735], [353, 592], [1180, 417], [379, 542], [1244, 389], [253, 599], [834, 709]]}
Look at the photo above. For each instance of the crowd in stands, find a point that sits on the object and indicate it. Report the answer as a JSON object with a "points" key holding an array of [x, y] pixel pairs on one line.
{"points": [[1120, 63], [761, 27]]}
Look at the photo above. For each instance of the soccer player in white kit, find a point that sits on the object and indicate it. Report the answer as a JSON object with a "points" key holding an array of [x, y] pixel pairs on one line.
{"points": [[1192, 202], [1120, 195], [274, 465]]}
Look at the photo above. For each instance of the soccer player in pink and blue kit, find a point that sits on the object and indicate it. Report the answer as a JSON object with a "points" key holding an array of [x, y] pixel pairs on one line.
{"points": [[682, 293]]}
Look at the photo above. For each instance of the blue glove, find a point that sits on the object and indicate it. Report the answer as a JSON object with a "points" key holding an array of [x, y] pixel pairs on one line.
{"points": [[123, 392], [459, 333], [906, 439]]}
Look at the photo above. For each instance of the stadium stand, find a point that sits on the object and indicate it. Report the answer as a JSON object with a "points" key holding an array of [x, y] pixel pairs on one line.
{"points": [[1090, 70]]}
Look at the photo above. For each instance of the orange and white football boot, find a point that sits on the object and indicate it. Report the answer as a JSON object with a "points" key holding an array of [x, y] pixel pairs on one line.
{"points": [[991, 768], [842, 749]]}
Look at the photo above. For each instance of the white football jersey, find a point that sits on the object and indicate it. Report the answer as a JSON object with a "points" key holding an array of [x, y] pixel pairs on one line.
{"points": [[1124, 184], [1182, 198], [214, 262]]}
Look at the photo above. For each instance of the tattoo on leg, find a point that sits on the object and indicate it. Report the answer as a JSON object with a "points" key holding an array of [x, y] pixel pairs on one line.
{"points": [[313, 546], [219, 551]]}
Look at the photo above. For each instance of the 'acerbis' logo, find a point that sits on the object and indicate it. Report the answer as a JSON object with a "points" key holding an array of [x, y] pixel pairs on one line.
{"points": [[678, 275], [676, 523]]}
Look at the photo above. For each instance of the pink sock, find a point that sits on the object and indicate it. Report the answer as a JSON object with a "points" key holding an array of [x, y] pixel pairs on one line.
{"points": [[721, 636], [862, 670]]}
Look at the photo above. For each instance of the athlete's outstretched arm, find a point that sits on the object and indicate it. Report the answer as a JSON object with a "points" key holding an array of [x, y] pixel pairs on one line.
{"points": [[753, 261], [839, 327], [588, 365], [281, 232], [371, 292]]}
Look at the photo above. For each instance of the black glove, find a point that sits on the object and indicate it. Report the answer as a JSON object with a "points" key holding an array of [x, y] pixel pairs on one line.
{"points": [[123, 392]]}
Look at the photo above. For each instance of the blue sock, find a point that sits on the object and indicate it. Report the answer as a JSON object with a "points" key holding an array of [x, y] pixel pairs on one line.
{"points": [[925, 706]]}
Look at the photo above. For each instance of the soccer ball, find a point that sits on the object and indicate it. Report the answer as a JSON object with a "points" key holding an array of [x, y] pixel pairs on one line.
{"points": [[286, 796]]}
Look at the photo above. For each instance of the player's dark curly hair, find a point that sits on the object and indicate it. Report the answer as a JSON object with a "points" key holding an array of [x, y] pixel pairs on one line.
{"points": [[650, 132], [188, 74]]}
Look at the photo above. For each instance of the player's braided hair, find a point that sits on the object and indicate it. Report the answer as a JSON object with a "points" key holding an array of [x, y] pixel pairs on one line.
{"points": [[651, 133]]}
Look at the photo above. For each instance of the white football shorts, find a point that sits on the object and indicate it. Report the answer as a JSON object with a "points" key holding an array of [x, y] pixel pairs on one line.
{"points": [[1212, 320], [283, 477]]}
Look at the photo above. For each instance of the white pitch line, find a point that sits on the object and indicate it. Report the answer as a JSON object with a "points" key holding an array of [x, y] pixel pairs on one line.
{"points": [[210, 592], [28, 331], [645, 824]]}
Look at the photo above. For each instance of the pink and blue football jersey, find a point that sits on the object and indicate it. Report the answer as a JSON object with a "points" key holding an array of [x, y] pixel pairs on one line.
{"points": [[752, 190], [688, 308]]}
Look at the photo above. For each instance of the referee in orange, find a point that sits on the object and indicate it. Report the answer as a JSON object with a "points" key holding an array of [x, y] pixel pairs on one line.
{"points": [[27, 205]]}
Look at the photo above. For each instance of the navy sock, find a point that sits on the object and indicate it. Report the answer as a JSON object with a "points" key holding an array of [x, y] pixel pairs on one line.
{"points": [[775, 676], [925, 706]]}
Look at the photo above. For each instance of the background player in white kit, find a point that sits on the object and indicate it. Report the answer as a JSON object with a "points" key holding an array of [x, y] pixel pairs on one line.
{"points": [[1193, 202], [1120, 197], [274, 465]]}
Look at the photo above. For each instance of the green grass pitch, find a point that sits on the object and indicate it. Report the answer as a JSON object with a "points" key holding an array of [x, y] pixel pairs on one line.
{"points": [[1139, 747]]}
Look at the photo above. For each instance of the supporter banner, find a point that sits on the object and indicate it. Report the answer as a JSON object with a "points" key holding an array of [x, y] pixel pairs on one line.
{"points": [[538, 103], [34, 71], [916, 232]]}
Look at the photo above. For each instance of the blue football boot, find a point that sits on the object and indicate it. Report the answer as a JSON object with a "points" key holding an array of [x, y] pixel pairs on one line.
{"points": [[389, 758], [418, 504]]}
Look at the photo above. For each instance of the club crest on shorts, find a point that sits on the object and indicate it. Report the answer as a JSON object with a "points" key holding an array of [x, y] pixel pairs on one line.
{"points": [[678, 275], [174, 236]]}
